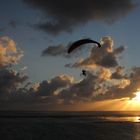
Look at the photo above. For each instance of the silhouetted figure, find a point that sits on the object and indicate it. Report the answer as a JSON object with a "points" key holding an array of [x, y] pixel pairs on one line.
{"points": [[84, 72]]}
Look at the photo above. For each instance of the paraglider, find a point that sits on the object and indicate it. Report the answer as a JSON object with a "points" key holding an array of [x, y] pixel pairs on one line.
{"points": [[78, 43], [83, 73]]}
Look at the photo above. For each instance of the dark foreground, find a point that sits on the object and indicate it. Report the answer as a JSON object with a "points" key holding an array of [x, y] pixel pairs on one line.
{"points": [[67, 128]]}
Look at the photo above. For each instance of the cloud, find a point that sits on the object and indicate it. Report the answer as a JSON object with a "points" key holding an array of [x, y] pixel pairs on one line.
{"points": [[119, 73], [106, 56], [9, 54], [81, 91], [102, 83], [125, 89], [106, 80], [43, 92], [104, 73], [64, 89], [60, 50], [13, 24], [95, 87], [64, 16], [50, 88], [57, 50], [10, 79]]}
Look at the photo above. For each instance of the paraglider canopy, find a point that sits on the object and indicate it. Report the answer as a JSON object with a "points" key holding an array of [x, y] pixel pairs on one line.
{"points": [[78, 43]]}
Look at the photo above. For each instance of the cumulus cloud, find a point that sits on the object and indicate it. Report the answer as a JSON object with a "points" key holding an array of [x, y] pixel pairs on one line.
{"points": [[10, 79], [95, 88], [106, 56], [119, 73], [106, 80], [124, 89], [50, 88], [103, 83], [61, 16], [64, 89], [44, 92], [104, 73], [9, 54]]}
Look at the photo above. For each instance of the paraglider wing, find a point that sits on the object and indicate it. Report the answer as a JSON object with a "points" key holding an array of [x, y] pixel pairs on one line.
{"points": [[81, 42]]}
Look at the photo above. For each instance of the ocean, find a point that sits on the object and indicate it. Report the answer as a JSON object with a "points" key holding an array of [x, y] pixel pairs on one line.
{"points": [[102, 125]]}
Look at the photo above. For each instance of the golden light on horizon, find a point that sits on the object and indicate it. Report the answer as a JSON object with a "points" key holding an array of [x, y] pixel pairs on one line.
{"points": [[134, 103], [124, 104]]}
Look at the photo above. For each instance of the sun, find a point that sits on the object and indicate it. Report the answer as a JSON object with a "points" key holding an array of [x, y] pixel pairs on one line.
{"points": [[132, 104], [137, 97]]}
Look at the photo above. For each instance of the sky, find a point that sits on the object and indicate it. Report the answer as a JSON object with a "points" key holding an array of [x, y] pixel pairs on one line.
{"points": [[36, 73]]}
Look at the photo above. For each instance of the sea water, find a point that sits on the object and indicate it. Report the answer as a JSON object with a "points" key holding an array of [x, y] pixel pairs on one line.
{"points": [[20, 125]]}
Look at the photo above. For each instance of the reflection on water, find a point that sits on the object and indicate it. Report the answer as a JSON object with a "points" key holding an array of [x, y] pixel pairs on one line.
{"points": [[137, 119], [122, 119]]}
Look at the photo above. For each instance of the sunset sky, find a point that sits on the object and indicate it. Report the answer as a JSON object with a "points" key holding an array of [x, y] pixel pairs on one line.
{"points": [[36, 73]]}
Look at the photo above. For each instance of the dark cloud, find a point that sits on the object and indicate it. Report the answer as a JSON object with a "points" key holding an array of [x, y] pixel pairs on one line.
{"points": [[119, 73], [44, 92], [80, 91], [13, 23], [61, 15], [102, 83], [49, 88], [98, 87], [64, 89], [61, 50], [10, 81], [55, 51], [106, 56], [119, 50], [108, 79], [108, 60]]}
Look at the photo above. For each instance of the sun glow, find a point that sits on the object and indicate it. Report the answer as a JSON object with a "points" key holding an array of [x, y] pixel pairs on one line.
{"points": [[137, 97], [124, 104], [134, 103]]}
